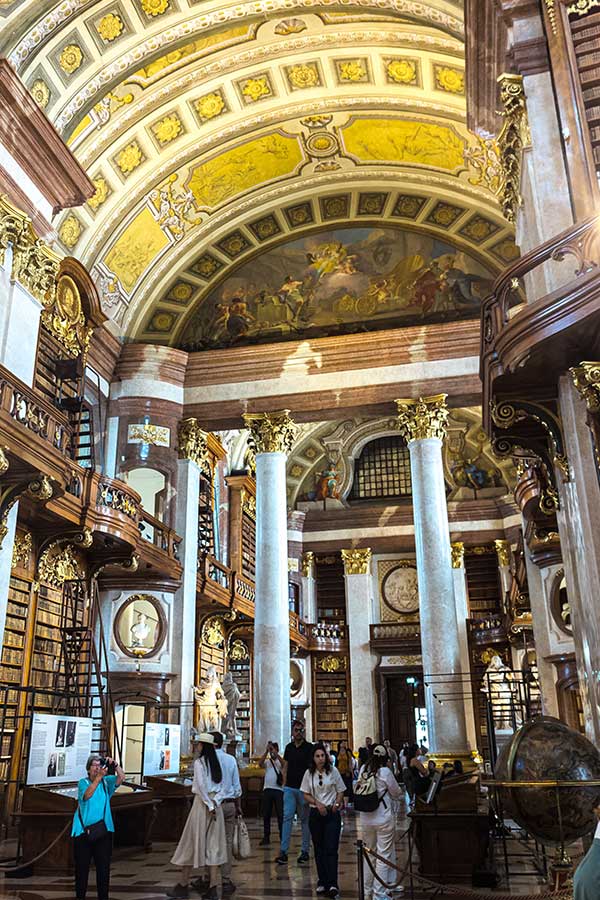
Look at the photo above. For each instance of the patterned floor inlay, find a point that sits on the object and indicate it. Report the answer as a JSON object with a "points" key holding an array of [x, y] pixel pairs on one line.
{"points": [[256, 878]]}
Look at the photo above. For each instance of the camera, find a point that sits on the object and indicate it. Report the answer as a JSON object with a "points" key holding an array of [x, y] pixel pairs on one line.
{"points": [[110, 766]]}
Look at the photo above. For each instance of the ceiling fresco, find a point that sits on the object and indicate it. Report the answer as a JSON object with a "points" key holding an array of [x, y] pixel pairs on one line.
{"points": [[214, 130], [338, 282]]}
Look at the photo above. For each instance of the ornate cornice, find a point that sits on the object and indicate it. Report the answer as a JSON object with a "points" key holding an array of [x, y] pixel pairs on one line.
{"points": [[426, 417], [192, 444], [270, 432], [357, 562], [503, 552], [457, 548], [308, 564], [586, 378]]}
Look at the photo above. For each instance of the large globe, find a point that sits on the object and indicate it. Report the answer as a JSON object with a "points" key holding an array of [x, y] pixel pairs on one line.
{"points": [[546, 749]]}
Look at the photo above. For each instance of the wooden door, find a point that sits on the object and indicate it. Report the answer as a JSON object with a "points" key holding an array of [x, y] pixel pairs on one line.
{"points": [[403, 696]]}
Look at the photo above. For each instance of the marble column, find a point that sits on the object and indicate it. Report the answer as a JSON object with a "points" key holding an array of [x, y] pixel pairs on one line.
{"points": [[579, 527], [270, 439], [504, 573], [309, 588], [423, 424], [191, 452], [461, 599], [357, 576], [539, 585]]}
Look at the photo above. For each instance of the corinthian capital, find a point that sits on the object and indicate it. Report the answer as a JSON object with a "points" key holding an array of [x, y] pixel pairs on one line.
{"points": [[357, 562], [586, 378], [426, 417], [270, 432], [192, 444]]}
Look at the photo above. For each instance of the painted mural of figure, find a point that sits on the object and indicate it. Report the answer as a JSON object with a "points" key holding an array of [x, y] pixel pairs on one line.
{"points": [[211, 701], [238, 323], [327, 483]]}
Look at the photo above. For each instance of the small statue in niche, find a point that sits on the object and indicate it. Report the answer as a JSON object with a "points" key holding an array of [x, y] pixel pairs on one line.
{"points": [[327, 483], [211, 701], [232, 695]]}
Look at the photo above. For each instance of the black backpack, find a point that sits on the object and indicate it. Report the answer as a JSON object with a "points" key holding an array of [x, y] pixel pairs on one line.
{"points": [[366, 798]]}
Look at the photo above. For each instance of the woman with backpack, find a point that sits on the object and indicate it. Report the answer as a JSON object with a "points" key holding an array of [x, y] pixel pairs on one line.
{"points": [[374, 792], [323, 791]]}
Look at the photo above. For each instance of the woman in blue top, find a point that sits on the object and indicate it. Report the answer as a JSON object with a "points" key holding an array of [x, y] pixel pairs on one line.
{"points": [[94, 793]]}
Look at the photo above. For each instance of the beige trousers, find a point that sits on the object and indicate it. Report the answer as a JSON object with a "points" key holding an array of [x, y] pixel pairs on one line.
{"points": [[229, 816]]}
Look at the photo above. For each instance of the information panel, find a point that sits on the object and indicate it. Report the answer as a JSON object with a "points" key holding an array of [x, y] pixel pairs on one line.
{"points": [[162, 746], [60, 747]]}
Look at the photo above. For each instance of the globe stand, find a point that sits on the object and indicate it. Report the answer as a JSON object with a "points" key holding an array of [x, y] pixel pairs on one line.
{"points": [[561, 869]]}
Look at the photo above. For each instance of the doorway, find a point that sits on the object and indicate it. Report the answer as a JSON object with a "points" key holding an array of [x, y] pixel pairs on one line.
{"points": [[402, 699]]}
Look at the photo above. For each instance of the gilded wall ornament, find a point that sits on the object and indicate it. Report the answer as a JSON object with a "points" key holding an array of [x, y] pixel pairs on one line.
{"points": [[4, 464], [129, 158], [70, 231], [457, 549], [101, 193], [290, 26], [70, 58], [22, 548], [308, 564], [238, 651], [586, 378], [40, 93], [486, 159], [210, 106], [65, 320], [424, 418], [109, 27], [55, 568], [192, 444], [154, 7], [213, 632], [581, 7], [450, 80], [402, 71], [155, 435], [167, 129], [513, 137], [503, 552], [352, 70], [248, 504], [357, 562], [270, 432], [332, 663], [254, 89], [304, 75]]}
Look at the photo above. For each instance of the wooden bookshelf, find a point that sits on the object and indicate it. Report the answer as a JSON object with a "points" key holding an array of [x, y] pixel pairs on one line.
{"points": [[331, 695], [331, 589], [242, 676]]}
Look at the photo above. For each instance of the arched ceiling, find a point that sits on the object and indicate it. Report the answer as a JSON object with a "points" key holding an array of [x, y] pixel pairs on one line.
{"points": [[215, 131]]}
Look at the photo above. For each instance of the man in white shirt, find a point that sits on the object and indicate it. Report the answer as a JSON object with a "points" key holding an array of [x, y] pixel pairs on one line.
{"points": [[232, 805]]}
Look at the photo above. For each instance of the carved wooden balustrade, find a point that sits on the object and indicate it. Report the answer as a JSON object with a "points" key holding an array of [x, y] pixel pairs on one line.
{"points": [[327, 637], [486, 630], [396, 637], [515, 334], [157, 535]]}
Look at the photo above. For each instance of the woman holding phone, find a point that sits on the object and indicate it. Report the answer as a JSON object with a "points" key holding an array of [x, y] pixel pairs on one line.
{"points": [[93, 825]]}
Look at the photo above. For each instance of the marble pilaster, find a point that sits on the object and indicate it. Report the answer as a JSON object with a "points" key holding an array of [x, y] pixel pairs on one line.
{"points": [[357, 577], [538, 582], [271, 437], [423, 424], [309, 588], [503, 554], [461, 598]]}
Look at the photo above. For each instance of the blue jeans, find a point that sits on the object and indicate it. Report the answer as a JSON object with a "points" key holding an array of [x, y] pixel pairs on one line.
{"points": [[293, 801]]}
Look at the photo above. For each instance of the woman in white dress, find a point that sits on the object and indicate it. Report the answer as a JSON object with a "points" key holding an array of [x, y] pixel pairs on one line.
{"points": [[203, 843], [378, 828]]}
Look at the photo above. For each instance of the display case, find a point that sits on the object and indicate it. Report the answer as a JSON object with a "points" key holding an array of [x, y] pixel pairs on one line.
{"points": [[48, 810], [175, 794]]}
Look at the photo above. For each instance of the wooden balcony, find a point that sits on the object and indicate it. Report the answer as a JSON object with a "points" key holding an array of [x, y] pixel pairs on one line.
{"points": [[325, 637], [396, 637]]}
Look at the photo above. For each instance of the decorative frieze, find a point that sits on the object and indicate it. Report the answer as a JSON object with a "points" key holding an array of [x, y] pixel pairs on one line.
{"points": [[357, 562], [426, 417], [270, 432]]}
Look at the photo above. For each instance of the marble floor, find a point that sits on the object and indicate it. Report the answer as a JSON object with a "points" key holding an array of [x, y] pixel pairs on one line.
{"points": [[141, 876]]}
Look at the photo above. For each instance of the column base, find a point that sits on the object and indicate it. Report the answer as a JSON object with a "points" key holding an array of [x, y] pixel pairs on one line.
{"points": [[469, 758]]}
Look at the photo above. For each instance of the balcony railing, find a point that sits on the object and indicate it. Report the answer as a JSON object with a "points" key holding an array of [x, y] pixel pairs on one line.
{"points": [[396, 636], [157, 533], [116, 495], [34, 413], [327, 636]]}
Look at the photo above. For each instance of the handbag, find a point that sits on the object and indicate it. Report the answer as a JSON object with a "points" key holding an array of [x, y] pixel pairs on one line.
{"points": [[278, 774], [241, 840], [96, 830]]}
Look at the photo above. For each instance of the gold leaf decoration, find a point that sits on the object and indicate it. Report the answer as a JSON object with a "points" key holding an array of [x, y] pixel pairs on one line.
{"points": [[100, 194], [210, 106], [290, 26], [426, 417], [57, 567], [353, 70], [154, 7], [40, 93], [109, 27], [304, 75], [357, 562], [450, 80], [70, 58], [22, 548], [402, 71], [70, 231], [254, 89], [167, 129], [129, 158]]}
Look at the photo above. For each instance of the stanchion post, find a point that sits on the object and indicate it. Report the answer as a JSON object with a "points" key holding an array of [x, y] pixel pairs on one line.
{"points": [[361, 870], [410, 867]]}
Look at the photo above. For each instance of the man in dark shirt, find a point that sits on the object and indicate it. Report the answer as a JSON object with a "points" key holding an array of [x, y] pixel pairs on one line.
{"points": [[296, 760]]}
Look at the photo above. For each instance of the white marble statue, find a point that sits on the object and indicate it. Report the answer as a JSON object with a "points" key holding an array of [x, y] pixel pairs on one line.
{"points": [[140, 631], [499, 686], [232, 695], [211, 701]]}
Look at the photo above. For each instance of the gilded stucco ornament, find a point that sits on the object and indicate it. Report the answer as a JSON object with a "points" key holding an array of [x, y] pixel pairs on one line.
{"points": [[513, 137], [581, 7], [308, 564], [586, 378], [304, 75], [70, 58], [503, 552], [270, 432], [210, 106], [551, 14], [332, 663], [109, 27], [154, 7], [357, 562], [248, 504], [213, 632], [22, 548], [352, 70], [457, 549], [55, 568], [238, 651], [65, 320], [4, 464], [167, 129], [40, 93], [424, 418], [192, 444], [101, 193], [402, 71]]}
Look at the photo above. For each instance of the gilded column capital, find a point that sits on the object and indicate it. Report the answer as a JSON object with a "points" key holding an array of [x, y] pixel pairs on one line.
{"points": [[192, 444], [426, 417], [458, 554], [586, 378], [270, 432], [3, 461], [308, 564], [357, 562], [503, 552]]}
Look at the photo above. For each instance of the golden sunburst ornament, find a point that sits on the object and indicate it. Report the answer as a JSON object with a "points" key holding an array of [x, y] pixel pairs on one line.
{"points": [[450, 80], [255, 88], [402, 71], [70, 58], [109, 27], [167, 129], [154, 7], [303, 76], [129, 158], [210, 105]]}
